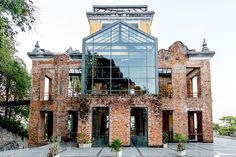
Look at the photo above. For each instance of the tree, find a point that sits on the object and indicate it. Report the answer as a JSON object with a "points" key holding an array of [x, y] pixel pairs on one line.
{"points": [[15, 16], [227, 125]]}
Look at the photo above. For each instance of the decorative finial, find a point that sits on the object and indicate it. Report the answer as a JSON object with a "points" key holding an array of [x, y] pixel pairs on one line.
{"points": [[204, 46], [37, 44]]}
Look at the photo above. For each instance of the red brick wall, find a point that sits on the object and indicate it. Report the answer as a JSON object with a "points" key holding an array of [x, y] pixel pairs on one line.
{"points": [[58, 69]]}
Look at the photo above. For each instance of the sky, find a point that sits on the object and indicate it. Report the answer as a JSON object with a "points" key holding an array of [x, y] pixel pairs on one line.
{"points": [[63, 24]]}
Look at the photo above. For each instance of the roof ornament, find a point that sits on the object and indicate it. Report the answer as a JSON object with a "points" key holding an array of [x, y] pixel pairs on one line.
{"points": [[36, 48], [204, 46], [37, 44]]}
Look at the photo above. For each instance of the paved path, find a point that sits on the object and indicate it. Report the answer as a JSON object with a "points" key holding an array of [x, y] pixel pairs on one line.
{"points": [[221, 147]]}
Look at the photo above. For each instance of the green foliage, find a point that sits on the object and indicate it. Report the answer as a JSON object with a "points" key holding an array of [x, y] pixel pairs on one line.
{"points": [[16, 14], [165, 137], [227, 126], [216, 127], [180, 139], [13, 126], [84, 107], [116, 145], [83, 138], [180, 147]]}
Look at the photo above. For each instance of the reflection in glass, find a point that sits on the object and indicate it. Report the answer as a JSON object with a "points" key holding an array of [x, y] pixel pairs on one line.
{"points": [[120, 59]]}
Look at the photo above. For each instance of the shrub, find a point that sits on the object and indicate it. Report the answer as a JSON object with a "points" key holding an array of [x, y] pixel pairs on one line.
{"points": [[116, 145], [13, 126], [180, 139]]}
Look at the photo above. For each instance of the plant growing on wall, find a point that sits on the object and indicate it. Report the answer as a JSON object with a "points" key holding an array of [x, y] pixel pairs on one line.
{"points": [[84, 107]]}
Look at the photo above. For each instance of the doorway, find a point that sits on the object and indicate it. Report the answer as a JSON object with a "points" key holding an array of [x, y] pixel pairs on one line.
{"points": [[100, 126], [167, 122], [195, 126], [139, 127], [47, 123], [72, 124]]}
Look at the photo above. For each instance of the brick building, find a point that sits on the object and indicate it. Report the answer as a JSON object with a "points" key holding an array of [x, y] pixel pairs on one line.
{"points": [[120, 86]]}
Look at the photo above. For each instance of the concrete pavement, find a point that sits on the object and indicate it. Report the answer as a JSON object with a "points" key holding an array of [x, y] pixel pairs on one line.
{"points": [[221, 147]]}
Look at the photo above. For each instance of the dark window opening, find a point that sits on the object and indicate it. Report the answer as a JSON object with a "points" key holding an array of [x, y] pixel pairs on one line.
{"points": [[193, 82], [100, 126], [195, 126], [168, 124], [74, 87], [139, 127], [72, 124], [165, 82]]}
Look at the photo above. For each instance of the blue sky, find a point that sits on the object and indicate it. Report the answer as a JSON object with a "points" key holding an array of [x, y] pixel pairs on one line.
{"points": [[63, 24]]}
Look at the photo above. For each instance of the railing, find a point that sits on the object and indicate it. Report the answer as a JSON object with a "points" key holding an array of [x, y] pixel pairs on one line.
{"points": [[72, 92], [47, 97], [193, 95], [195, 136]]}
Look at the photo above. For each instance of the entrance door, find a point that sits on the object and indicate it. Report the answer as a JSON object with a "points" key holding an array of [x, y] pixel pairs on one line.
{"points": [[100, 126], [72, 124], [167, 120], [138, 127]]}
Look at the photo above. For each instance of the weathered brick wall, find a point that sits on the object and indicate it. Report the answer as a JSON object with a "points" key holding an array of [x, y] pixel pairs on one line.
{"points": [[56, 69], [180, 103], [119, 106]]}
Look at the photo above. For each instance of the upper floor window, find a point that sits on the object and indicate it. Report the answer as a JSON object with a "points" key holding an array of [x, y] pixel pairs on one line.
{"points": [[193, 76], [47, 88], [165, 82], [74, 87]]}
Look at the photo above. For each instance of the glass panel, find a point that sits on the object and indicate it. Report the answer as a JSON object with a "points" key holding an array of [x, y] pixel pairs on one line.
{"points": [[137, 72], [137, 59], [151, 72], [121, 53], [120, 72], [104, 61], [138, 85], [101, 86], [151, 86], [102, 72], [119, 84], [151, 58], [119, 61]]}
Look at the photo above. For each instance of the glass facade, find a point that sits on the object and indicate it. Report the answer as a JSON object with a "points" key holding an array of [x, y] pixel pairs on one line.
{"points": [[119, 59]]}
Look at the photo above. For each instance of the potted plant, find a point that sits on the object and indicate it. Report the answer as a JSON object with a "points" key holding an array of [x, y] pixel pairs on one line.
{"points": [[165, 139], [116, 146], [83, 140], [181, 140]]}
